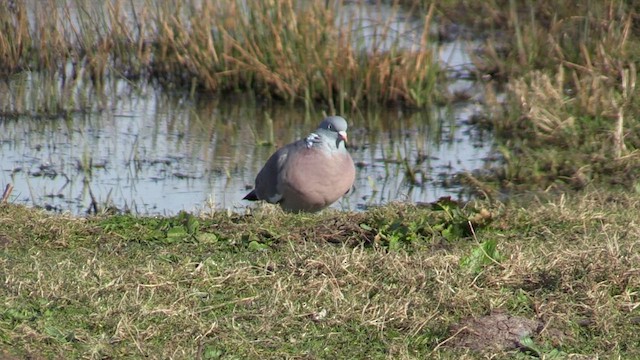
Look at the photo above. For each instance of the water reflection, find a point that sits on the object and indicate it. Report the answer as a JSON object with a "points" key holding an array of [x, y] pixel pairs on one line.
{"points": [[156, 154]]}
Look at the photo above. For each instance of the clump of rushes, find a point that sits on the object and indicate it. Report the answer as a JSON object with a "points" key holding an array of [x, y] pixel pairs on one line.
{"points": [[291, 50]]}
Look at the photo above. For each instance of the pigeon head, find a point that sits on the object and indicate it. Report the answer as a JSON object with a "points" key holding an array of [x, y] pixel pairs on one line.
{"points": [[334, 128]]}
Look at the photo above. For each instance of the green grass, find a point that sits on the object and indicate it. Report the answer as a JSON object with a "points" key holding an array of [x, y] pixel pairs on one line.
{"points": [[320, 286]]}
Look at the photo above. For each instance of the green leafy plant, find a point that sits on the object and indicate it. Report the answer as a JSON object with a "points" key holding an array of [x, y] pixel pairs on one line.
{"points": [[458, 222], [483, 255], [539, 351]]}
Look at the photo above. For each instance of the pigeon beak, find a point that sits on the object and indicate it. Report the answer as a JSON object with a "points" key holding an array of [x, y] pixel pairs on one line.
{"points": [[343, 135]]}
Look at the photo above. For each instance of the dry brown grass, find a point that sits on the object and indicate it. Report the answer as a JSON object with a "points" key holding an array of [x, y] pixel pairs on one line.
{"points": [[295, 51], [571, 78]]}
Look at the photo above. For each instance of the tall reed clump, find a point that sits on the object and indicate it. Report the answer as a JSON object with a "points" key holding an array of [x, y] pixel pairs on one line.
{"points": [[292, 50], [573, 108], [63, 53], [14, 38], [297, 51], [529, 35], [73, 38]]}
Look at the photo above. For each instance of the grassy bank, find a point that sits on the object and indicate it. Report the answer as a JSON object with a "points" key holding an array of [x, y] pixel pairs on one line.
{"points": [[271, 285], [569, 74]]}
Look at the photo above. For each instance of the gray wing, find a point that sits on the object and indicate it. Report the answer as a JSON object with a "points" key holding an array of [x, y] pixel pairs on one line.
{"points": [[268, 179]]}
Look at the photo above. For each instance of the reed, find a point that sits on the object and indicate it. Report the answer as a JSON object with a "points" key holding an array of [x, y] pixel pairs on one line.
{"points": [[293, 51], [289, 50], [542, 34]]}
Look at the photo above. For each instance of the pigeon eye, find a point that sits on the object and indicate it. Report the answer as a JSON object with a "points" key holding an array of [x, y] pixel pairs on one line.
{"points": [[330, 127]]}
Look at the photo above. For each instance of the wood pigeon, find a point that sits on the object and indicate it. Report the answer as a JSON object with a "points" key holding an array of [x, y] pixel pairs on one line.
{"points": [[309, 174]]}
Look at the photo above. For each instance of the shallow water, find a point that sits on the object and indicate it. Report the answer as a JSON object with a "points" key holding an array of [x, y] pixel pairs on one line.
{"points": [[156, 153]]}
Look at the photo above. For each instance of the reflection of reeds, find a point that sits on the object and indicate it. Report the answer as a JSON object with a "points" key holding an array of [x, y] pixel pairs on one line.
{"points": [[290, 50]]}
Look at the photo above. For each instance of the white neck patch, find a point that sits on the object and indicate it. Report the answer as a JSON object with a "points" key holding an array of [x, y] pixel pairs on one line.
{"points": [[312, 139]]}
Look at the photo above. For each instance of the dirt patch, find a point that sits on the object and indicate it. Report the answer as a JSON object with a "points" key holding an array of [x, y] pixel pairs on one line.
{"points": [[494, 332], [5, 240]]}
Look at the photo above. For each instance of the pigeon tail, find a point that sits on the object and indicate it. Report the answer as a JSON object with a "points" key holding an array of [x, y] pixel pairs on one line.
{"points": [[251, 196]]}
